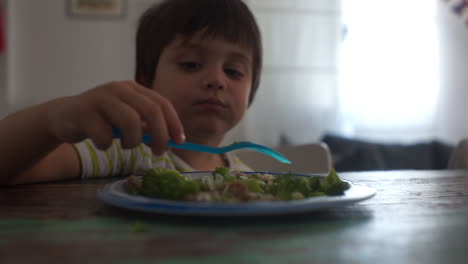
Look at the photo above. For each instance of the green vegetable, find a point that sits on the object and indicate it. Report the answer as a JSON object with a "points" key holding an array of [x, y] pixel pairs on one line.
{"points": [[138, 227], [253, 185], [333, 185], [314, 183], [297, 196], [203, 187], [167, 184], [225, 173], [170, 184], [286, 184]]}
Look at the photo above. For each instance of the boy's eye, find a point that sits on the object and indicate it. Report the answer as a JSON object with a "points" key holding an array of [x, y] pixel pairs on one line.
{"points": [[234, 73], [190, 65]]}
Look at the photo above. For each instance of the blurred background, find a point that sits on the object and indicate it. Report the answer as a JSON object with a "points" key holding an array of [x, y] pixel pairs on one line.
{"points": [[373, 71]]}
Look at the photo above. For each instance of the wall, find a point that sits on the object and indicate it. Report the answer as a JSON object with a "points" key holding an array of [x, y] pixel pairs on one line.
{"points": [[51, 54], [3, 65]]}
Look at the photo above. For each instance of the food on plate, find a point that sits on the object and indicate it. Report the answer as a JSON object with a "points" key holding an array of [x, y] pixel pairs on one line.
{"points": [[224, 185]]}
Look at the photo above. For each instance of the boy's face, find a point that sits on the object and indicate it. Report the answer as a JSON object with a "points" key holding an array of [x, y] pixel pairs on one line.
{"points": [[208, 81]]}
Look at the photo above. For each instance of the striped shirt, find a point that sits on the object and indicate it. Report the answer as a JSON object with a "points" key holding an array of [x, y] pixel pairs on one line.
{"points": [[118, 161]]}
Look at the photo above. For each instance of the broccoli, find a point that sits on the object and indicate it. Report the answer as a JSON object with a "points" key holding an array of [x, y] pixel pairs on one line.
{"points": [[314, 183], [225, 173], [170, 184], [287, 187], [253, 185], [333, 185], [167, 184], [286, 184], [138, 227]]}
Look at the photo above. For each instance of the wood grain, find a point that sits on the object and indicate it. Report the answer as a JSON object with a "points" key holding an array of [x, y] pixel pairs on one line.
{"points": [[416, 217]]}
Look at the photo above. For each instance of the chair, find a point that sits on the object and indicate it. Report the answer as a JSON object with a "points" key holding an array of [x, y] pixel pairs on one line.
{"points": [[307, 158], [459, 157]]}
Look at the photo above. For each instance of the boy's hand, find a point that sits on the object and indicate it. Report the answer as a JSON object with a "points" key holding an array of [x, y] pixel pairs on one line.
{"points": [[126, 105]]}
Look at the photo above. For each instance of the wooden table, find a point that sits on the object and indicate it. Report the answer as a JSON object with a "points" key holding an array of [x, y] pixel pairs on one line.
{"points": [[416, 217]]}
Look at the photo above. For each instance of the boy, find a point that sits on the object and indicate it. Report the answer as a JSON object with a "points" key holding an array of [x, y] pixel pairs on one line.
{"points": [[197, 69]]}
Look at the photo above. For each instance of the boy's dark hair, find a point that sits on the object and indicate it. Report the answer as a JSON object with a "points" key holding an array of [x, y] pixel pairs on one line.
{"points": [[230, 19]]}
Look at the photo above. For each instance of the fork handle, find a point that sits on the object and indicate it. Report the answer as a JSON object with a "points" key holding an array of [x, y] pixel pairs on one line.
{"points": [[194, 147], [117, 133]]}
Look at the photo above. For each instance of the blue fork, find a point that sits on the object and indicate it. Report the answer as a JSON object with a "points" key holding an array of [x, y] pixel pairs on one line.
{"points": [[215, 150]]}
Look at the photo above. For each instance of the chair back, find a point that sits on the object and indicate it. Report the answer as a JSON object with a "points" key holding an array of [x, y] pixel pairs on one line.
{"points": [[307, 158], [459, 157]]}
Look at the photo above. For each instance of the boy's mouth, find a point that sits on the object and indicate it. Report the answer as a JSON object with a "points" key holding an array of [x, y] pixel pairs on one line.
{"points": [[212, 103]]}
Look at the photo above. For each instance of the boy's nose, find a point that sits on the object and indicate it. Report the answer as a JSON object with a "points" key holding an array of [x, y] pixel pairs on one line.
{"points": [[214, 79], [214, 85]]}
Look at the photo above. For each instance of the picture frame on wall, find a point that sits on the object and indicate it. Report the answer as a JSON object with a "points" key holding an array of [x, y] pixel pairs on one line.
{"points": [[112, 9]]}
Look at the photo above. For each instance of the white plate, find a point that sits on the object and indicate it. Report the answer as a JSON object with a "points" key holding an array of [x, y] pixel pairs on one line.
{"points": [[115, 194]]}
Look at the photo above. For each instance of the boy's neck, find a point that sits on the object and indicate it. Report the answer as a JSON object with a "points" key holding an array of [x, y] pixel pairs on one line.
{"points": [[199, 160]]}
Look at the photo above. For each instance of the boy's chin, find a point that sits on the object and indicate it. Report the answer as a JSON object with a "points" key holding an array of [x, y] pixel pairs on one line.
{"points": [[208, 130]]}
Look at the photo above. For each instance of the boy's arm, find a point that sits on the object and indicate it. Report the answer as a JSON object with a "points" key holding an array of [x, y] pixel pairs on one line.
{"points": [[32, 142], [30, 153], [62, 163]]}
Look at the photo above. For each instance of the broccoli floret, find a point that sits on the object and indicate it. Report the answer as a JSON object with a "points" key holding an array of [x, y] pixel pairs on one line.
{"points": [[316, 194], [333, 185], [138, 227], [203, 185], [303, 186], [314, 183], [167, 184], [297, 196], [284, 185], [253, 185], [225, 173]]}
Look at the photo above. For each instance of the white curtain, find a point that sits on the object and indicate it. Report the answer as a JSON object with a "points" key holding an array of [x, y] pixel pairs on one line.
{"points": [[297, 96], [389, 81], [366, 69]]}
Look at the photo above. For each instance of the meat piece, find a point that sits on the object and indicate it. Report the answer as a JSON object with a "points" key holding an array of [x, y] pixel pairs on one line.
{"points": [[133, 184], [238, 190]]}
